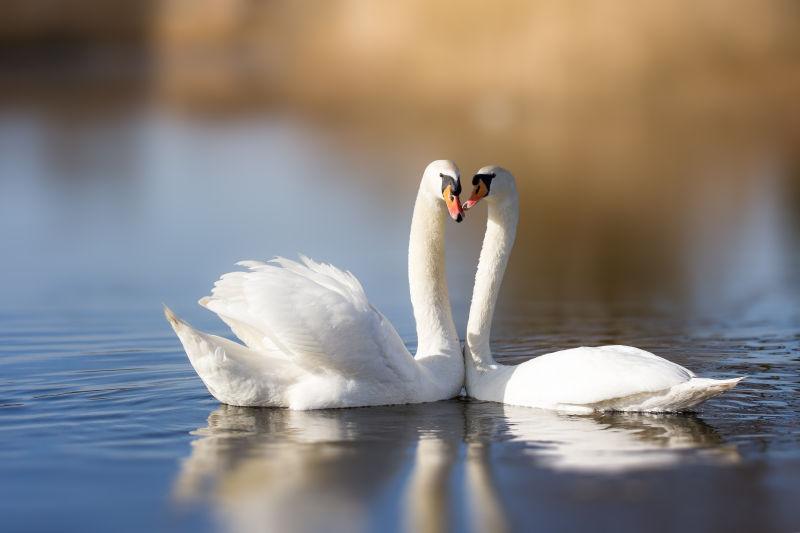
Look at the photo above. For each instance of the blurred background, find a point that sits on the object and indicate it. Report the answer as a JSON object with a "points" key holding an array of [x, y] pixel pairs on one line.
{"points": [[146, 146]]}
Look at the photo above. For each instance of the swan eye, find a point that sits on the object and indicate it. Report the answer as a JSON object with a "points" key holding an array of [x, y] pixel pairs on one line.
{"points": [[450, 181], [485, 179], [482, 183]]}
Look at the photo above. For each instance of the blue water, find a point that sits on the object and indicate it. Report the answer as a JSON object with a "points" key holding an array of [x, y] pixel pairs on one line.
{"points": [[105, 426]]}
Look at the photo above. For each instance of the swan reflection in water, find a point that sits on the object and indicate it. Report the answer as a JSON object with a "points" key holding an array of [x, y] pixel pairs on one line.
{"points": [[355, 469]]}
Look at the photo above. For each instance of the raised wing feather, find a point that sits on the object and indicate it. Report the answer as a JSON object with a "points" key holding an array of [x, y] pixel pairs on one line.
{"points": [[314, 314]]}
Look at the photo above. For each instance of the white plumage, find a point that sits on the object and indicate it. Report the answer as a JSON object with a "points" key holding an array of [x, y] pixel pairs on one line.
{"points": [[606, 378], [311, 338]]}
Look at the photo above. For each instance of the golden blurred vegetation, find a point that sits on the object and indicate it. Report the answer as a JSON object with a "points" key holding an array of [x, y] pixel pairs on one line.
{"points": [[646, 135]]}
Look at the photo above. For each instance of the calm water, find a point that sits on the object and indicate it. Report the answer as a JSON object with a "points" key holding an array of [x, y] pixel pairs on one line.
{"points": [[105, 426]]}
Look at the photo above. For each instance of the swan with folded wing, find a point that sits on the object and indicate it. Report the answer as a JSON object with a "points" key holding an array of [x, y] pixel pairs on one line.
{"points": [[586, 379]]}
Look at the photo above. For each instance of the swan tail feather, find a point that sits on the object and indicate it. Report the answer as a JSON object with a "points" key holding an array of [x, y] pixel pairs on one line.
{"points": [[696, 391], [679, 398], [233, 373]]}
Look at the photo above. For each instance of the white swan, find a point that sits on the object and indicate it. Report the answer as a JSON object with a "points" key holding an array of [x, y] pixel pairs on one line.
{"points": [[605, 378], [311, 338]]}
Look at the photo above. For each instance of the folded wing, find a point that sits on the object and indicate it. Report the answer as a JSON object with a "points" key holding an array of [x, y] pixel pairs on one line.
{"points": [[588, 375]]}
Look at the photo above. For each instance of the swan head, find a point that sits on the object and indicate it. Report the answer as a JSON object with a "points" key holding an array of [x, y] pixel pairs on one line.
{"points": [[442, 180], [493, 183]]}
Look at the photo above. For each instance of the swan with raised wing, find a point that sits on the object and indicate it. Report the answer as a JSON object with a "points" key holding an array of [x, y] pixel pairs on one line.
{"points": [[586, 379], [311, 338]]}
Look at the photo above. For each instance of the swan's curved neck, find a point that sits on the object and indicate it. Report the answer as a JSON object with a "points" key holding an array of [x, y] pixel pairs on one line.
{"points": [[501, 228], [436, 332]]}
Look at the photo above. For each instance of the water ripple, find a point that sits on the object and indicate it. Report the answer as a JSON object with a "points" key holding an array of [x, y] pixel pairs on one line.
{"points": [[82, 411]]}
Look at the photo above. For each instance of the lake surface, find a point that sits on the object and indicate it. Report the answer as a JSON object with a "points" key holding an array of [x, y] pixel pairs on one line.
{"points": [[105, 426]]}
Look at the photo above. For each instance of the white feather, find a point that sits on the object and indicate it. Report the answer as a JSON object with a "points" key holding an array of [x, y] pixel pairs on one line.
{"points": [[606, 378], [311, 338]]}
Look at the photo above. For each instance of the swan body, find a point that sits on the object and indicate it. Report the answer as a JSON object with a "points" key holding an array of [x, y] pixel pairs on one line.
{"points": [[605, 378], [601, 378], [312, 340]]}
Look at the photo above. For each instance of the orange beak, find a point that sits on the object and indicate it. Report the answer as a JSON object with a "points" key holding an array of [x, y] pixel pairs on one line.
{"points": [[480, 192], [453, 204]]}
